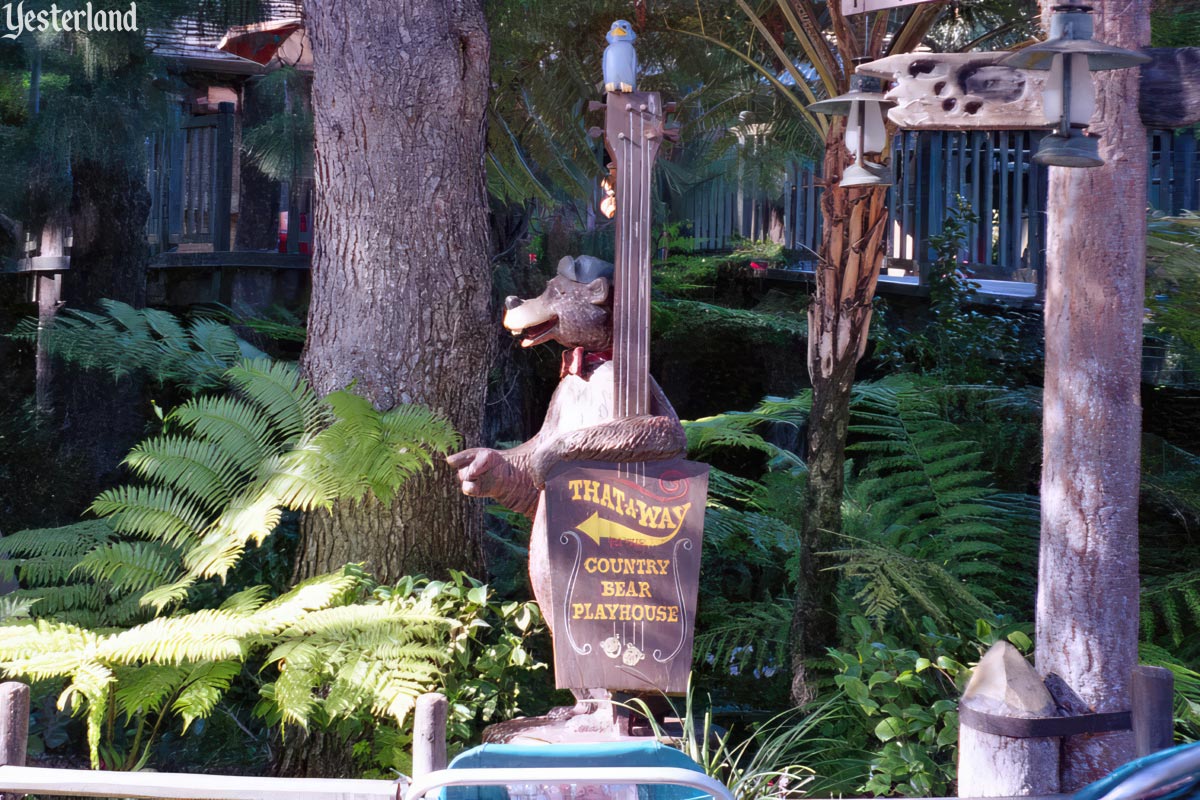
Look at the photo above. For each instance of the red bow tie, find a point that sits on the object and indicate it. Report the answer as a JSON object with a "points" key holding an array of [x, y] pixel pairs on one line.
{"points": [[583, 363]]}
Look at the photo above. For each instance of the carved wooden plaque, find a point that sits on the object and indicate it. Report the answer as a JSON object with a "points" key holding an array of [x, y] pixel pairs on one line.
{"points": [[960, 91], [862, 6], [970, 91], [625, 559]]}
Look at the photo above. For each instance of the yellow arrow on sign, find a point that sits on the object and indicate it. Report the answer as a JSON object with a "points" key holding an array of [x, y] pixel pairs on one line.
{"points": [[597, 528]]}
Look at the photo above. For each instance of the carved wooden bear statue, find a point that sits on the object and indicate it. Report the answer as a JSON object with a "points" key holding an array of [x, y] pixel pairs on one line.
{"points": [[575, 310]]}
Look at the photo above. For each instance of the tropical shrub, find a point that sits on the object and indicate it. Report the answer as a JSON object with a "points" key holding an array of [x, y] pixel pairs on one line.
{"points": [[956, 340], [122, 340], [900, 704], [782, 757], [129, 620], [926, 534]]}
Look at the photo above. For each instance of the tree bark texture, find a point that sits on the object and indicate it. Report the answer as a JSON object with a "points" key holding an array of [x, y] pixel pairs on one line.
{"points": [[401, 281], [852, 248], [258, 195], [1087, 604], [99, 421], [109, 255]]}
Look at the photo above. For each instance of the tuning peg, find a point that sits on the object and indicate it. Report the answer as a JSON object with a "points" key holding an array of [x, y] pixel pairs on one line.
{"points": [[596, 105], [595, 132]]}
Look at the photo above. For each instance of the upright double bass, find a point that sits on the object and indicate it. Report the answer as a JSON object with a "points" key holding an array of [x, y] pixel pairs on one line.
{"points": [[625, 536]]}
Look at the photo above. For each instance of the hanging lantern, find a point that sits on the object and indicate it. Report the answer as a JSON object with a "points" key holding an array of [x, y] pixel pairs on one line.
{"points": [[863, 106], [1069, 99]]}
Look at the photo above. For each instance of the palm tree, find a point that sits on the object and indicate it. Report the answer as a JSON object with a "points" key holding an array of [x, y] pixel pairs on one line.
{"points": [[807, 50]]}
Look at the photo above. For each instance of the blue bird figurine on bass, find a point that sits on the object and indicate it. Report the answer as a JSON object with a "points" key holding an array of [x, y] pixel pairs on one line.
{"points": [[620, 59]]}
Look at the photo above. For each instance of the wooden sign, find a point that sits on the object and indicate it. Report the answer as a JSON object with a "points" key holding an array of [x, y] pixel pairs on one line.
{"points": [[625, 559], [970, 91], [624, 535], [862, 6], [960, 91]]}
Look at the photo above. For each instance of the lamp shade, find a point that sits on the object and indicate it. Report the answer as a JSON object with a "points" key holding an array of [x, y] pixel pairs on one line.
{"points": [[1082, 90], [865, 130], [840, 106], [1070, 35]]}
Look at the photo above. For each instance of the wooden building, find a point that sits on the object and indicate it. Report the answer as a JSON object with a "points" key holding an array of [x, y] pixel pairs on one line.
{"points": [[219, 229], [992, 171]]}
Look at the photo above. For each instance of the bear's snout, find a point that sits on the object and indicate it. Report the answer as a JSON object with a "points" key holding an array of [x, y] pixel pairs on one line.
{"points": [[512, 301]]}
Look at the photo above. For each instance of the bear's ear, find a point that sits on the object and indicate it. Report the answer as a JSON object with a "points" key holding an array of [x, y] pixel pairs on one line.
{"points": [[598, 291]]}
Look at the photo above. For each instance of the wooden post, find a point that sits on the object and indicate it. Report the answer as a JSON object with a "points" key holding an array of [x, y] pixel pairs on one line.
{"points": [[429, 734], [1153, 697], [14, 727], [989, 765], [1087, 603], [47, 290], [222, 202]]}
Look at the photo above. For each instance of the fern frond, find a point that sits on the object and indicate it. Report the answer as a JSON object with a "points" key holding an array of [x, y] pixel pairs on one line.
{"points": [[122, 340], [131, 566], [145, 689], [151, 512], [195, 466], [203, 688], [233, 425], [277, 388], [65, 542]]}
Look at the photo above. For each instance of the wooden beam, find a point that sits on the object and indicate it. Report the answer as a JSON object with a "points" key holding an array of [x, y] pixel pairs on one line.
{"points": [[1153, 698], [1170, 88], [181, 786], [959, 91], [970, 91], [14, 726], [429, 734]]}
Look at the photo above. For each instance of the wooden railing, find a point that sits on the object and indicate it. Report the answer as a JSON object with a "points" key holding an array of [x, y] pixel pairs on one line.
{"points": [[993, 171], [16, 779], [1152, 703], [190, 180], [995, 175]]}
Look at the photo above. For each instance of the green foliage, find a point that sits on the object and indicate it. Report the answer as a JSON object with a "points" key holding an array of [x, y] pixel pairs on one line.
{"points": [[491, 665], [743, 429], [335, 651], [1170, 609], [778, 326], [1187, 689], [217, 479], [117, 608], [926, 535], [956, 341], [281, 146], [751, 541], [123, 340], [929, 535], [1174, 23], [900, 704], [778, 759], [484, 669], [325, 646], [1173, 291]]}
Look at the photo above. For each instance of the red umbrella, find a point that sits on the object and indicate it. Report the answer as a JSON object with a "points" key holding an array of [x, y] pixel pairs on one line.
{"points": [[261, 41]]}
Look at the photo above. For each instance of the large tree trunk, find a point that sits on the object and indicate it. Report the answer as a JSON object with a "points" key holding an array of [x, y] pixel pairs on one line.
{"points": [[1087, 605], [852, 248], [401, 282], [98, 420]]}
